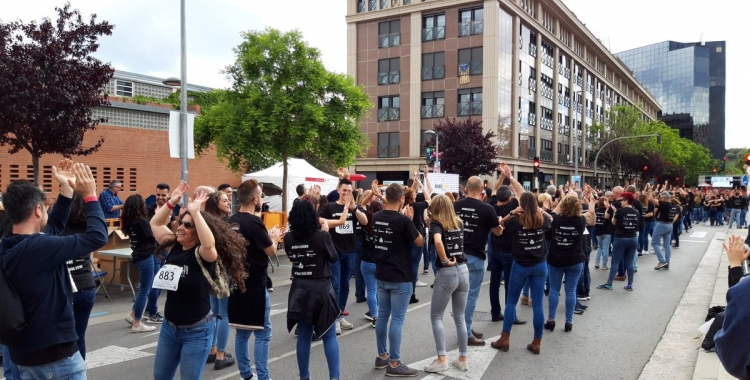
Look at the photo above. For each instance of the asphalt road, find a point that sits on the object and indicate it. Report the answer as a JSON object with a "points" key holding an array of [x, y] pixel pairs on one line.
{"points": [[614, 339]]}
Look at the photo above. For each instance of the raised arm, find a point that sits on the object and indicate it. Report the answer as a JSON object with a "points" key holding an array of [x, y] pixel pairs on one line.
{"points": [[207, 249], [515, 186], [161, 218], [428, 191]]}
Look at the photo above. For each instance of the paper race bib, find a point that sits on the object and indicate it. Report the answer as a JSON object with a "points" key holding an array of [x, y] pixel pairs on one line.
{"points": [[168, 277], [346, 228]]}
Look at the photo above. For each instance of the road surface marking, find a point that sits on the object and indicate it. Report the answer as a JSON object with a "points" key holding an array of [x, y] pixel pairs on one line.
{"points": [[479, 360], [693, 241], [113, 355], [698, 235]]}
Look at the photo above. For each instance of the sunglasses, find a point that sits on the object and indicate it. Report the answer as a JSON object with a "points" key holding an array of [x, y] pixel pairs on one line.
{"points": [[186, 224]]}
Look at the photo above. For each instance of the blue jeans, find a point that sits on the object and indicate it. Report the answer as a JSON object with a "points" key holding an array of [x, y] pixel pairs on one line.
{"points": [[476, 276], [648, 229], [393, 298], [221, 336], [10, 370], [368, 272], [602, 254], [500, 264], [416, 256], [572, 273], [536, 275], [433, 259], [341, 273], [584, 282], [743, 218], [359, 281], [592, 232], [735, 217], [70, 368], [662, 235], [152, 306], [146, 273], [330, 346], [83, 302], [186, 348], [621, 267], [262, 343], [623, 250]]}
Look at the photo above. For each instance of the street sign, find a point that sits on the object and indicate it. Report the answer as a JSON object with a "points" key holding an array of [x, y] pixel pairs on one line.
{"points": [[744, 180]]}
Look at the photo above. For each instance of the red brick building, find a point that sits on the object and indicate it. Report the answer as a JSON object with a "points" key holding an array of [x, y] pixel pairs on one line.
{"points": [[135, 149]]}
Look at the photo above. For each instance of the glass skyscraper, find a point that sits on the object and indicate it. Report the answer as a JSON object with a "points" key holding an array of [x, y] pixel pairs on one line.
{"points": [[689, 82]]}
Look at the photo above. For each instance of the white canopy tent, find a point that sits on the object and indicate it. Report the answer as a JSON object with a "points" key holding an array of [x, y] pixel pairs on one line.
{"points": [[298, 171]]}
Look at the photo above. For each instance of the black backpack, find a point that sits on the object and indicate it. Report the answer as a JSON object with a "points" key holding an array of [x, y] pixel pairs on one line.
{"points": [[12, 319]]}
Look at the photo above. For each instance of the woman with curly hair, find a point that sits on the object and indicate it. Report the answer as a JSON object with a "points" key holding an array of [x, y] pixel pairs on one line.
{"points": [[201, 239], [143, 244], [312, 301], [566, 255], [219, 206]]}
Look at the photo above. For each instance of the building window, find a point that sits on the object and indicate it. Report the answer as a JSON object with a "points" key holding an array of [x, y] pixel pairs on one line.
{"points": [[532, 113], [433, 66], [389, 108], [470, 21], [470, 101], [433, 27], [388, 143], [360, 6], [545, 154], [470, 61], [433, 104], [373, 5], [389, 33], [388, 71], [124, 88]]}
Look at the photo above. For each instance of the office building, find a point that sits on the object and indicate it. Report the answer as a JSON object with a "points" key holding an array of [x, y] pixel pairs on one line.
{"points": [[529, 69], [689, 81]]}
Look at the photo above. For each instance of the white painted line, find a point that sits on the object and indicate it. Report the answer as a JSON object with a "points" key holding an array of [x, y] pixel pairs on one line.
{"points": [[145, 346], [693, 241], [278, 311], [698, 234], [112, 355], [152, 334], [479, 360]]}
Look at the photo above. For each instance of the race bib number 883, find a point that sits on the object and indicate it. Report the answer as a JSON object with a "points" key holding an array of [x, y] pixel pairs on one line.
{"points": [[168, 277]]}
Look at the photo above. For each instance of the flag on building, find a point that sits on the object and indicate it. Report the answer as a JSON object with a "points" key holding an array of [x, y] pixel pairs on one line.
{"points": [[463, 73]]}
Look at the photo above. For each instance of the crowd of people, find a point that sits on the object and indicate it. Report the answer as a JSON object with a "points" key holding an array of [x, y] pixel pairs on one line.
{"points": [[213, 263]]}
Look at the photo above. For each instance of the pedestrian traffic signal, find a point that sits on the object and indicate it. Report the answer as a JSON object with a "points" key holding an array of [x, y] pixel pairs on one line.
{"points": [[747, 158], [536, 162]]}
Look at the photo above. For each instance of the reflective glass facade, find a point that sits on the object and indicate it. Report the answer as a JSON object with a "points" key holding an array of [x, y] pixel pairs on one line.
{"points": [[689, 81]]}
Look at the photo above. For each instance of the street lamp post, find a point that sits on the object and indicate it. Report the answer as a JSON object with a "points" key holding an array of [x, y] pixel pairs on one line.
{"points": [[182, 82], [437, 149]]}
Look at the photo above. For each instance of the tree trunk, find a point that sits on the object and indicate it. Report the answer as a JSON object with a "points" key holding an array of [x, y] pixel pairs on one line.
{"points": [[35, 164], [283, 183]]}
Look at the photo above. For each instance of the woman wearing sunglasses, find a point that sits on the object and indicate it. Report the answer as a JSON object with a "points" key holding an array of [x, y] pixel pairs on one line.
{"points": [[187, 333]]}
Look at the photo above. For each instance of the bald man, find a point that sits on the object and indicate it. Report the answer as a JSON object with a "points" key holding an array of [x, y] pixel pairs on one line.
{"points": [[479, 219]]}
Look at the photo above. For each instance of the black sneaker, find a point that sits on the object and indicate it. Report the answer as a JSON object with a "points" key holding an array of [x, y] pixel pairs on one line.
{"points": [[413, 300], [381, 363], [401, 370], [211, 358], [155, 319], [368, 316], [666, 267], [498, 319], [228, 361]]}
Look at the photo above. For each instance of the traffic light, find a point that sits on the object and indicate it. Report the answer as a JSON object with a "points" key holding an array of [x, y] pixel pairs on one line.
{"points": [[536, 166], [645, 168], [714, 170], [747, 158]]}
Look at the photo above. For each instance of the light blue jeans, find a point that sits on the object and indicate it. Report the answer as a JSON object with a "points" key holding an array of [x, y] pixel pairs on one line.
{"points": [[393, 299], [221, 336], [571, 273], [330, 346], [262, 343], [602, 254], [476, 276], [662, 235], [186, 348], [735, 217], [70, 368], [371, 284]]}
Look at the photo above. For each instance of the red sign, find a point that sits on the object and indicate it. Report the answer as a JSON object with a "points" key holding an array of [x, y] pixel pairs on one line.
{"points": [[310, 179]]}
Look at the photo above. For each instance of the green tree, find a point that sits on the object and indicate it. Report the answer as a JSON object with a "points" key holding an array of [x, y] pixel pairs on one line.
{"points": [[283, 103], [464, 148]]}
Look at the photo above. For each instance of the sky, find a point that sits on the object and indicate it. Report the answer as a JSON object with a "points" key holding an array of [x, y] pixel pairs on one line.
{"points": [[146, 38]]}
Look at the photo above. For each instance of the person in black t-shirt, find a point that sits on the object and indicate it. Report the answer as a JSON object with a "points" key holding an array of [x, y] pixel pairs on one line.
{"points": [[734, 204], [143, 244], [367, 267], [663, 230], [479, 219], [677, 211], [527, 225], [625, 222], [419, 211], [648, 213], [603, 231], [394, 232], [312, 303], [451, 283], [202, 242]]}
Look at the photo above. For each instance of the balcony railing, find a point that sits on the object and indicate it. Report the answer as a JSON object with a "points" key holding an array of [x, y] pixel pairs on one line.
{"points": [[434, 33], [360, 6], [532, 152], [384, 4], [547, 124], [470, 108], [388, 114], [469, 28], [434, 72], [474, 67], [532, 84], [579, 81], [391, 77], [388, 151], [532, 119], [532, 49], [436, 110], [388, 40], [545, 156]]}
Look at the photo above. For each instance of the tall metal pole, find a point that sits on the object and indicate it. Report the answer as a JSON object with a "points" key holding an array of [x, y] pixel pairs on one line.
{"points": [[437, 150], [183, 102], [575, 148]]}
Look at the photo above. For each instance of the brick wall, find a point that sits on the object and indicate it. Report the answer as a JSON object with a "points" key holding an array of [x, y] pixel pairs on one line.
{"points": [[137, 157]]}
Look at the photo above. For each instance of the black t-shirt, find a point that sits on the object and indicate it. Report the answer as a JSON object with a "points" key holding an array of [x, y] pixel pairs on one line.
{"points": [[529, 246], [648, 208], [638, 207], [504, 242], [663, 212], [343, 235], [190, 302], [453, 242], [479, 218], [254, 231], [735, 203], [358, 227], [393, 234], [80, 270], [419, 208], [566, 243], [142, 240], [627, 222], [368, 247], [310, 257], [676, 210], [603, 225]]}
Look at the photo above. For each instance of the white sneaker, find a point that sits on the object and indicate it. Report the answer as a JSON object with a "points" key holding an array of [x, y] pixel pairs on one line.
{"points": [[345, 325], [421, 284], [338, 328], [142, 328], [436, 367]]}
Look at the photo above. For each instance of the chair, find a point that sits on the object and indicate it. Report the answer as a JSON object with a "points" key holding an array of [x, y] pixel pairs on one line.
{"points": [[99, 279]]}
